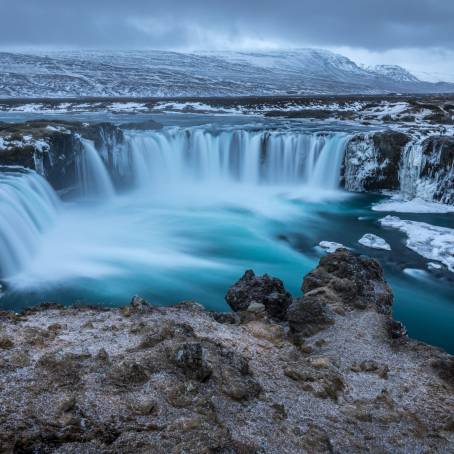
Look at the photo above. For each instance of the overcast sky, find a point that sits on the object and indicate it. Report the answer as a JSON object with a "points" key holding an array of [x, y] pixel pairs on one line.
{"points": [[418, 34]]}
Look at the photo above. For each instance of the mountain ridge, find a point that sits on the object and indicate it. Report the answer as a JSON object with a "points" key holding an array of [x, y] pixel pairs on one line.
{"points": [[202, 73]]}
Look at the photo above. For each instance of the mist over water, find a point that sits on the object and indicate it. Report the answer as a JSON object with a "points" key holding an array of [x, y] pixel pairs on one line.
{"points": [[200, 207], [191, 191]]}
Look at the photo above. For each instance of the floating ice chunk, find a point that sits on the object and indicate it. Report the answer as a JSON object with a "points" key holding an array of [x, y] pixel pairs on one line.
{"points": [[331, 246], [430, 241], [416, 205], [374, 241], [434, 266], [415, 273]]}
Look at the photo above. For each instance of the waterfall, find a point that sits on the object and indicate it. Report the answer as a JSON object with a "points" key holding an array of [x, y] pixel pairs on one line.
{"points": [[197, 155], [92, 174], [28, 207], [410, 169]]}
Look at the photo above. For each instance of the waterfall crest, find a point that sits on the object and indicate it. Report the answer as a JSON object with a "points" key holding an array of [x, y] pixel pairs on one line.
{"points": [[28, 207], [237, 156]]}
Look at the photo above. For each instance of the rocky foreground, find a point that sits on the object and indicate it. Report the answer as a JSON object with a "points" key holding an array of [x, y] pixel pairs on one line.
{"points": [[329, 372]]}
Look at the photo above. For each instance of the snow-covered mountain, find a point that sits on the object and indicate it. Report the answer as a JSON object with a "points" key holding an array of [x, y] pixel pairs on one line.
{"points": [[394, 72], [166, 74]]}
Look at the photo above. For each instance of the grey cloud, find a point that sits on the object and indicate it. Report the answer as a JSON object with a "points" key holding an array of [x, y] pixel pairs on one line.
{"points": [[371, 24]]}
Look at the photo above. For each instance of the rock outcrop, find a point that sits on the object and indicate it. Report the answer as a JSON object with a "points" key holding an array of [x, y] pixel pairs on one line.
{"points": [[52, 147], [181, 379], [253, 292], [437, 167], [372, 161]]}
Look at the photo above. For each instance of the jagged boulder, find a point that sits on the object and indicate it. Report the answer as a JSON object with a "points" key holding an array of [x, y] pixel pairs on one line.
{"points": [[357, 281], [252, 290], [342, 281], [192, 359]]}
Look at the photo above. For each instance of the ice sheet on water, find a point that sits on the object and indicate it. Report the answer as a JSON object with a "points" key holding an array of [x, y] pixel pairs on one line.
{"points": [[330, 246], [430, 241], [374, 242], [416, 205]]}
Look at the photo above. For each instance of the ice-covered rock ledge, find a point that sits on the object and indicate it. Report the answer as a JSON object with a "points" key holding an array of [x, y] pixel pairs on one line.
{"points": [[329, 372], [51, 148]]}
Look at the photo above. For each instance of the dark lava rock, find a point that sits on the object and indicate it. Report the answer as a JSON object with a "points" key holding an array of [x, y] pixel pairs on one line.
{"points": [[265, 290], [193, 359], [357, 281], [396, 329], [137, 305]]}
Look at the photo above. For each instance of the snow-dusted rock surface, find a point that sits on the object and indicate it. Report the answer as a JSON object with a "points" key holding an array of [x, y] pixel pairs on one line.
{"points": [[160, 73], [430, 241], [374, 242], [180, 379]]}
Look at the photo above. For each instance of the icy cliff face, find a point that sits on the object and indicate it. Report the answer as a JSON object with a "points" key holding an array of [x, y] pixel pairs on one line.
{"points": [[159, 73], [418, 166], [55, 151], [372, 160], [437, 168]]}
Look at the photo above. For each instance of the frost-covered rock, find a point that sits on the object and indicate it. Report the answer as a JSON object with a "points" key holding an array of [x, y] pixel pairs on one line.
{"points": [[371, 161], [374, 242], [430, 241], [419, 166], [437, 168]]}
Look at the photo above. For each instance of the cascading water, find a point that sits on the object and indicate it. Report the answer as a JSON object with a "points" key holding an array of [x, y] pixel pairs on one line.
{"points": [[175, 155], [92, 174], [410, 169], [28, 207], [175, 169]]}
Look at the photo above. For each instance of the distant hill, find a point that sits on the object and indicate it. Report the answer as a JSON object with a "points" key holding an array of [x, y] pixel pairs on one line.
{"points": [[228, 73]]}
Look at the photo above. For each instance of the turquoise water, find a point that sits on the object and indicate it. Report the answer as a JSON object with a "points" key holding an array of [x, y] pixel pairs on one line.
{"points": [[195, 248], [193, 239]]}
